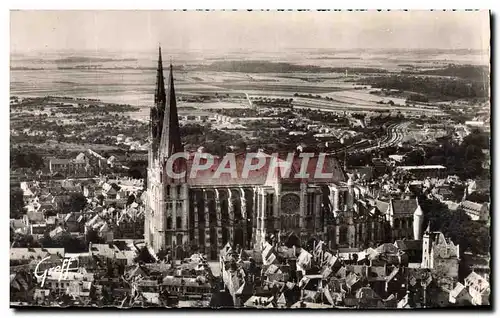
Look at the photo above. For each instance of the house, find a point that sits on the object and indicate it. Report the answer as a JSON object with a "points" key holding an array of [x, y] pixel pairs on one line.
{"points": [[75, 222], [412, 248], [187, 286], [368, 298], [81, 157], [18, 226], [353, 282], [479, 289], [38, 230], [59, 165], [408, 302], [112, 161], [33, 186], [110, 191], [259, 302], [108, 251], [309, 305], [57, 232], [80, 290], [396, 158], [69, 167], [363, 173], [21, 253], [34, 218], [460, 295], [476, 211], [441, 255], [136, 270], [443, 193], [422, 172], [59, 284], [400, 214], [41, 296]]}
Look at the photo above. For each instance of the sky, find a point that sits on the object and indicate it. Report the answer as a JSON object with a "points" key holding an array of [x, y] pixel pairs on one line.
{"points": [[130, 31]]}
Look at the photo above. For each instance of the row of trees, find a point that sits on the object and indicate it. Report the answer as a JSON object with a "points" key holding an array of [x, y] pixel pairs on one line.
{"points": [[441, 88], [471, 235], [16, 203], [465, 159], [19, 158]]}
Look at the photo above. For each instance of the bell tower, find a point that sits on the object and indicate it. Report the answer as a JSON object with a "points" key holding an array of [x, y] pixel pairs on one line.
{"points": [[166, 223]]}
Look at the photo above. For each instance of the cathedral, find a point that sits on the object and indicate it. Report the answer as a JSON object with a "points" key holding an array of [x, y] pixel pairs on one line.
{"points": [[204, 213]]}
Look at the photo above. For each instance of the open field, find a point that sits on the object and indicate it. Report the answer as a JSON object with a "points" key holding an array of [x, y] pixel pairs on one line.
{"points": [[362, 97], [70, 146], [130, 79]]}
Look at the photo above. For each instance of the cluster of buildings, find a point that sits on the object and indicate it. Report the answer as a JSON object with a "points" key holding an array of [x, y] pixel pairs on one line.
{"points": [[111, 208], [107, 275], [351, 240], [84, 165], [137, 145], [260, 214], [405, 274], [208, 212]]}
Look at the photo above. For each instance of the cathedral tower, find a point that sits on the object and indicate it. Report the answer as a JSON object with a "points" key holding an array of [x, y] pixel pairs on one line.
{"points": [[167, 207]]}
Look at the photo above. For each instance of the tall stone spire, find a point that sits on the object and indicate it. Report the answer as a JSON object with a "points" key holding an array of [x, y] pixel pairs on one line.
{"points": [[170, 137], [160, 96], [158, 110]]}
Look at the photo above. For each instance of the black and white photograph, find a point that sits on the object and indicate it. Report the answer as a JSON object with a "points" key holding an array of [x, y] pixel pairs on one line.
{"points": [[250, 159]]}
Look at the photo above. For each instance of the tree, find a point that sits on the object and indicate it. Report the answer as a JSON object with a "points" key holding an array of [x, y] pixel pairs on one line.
{"points": [[457, 225], [76, 202], [131, 199], [47, 241], [478, 197], [162, 254], [93, 237], [144, 256], [21, 159], [415, 158], [100, 197], [16, 203], [22, 240]]}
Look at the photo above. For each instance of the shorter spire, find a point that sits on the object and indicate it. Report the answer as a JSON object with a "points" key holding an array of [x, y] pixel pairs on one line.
{"points": [[428, 229]]}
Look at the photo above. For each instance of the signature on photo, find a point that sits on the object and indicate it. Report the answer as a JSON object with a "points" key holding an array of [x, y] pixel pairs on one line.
{"points": [[62, 270]]}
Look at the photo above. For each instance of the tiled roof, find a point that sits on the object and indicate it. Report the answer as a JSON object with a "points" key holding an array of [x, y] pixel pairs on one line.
{"points": [[387, 248], [404, 206], [474, 279], [382, 206], [26, 253], [263, 175], [367, 293], [469, 205], [352, 279], [60, 161], [304, 304], [17, 223], [457, 290], [405, 245], [35, 216]]}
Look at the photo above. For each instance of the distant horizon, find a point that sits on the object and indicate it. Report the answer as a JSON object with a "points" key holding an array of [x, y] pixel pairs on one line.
{"points": [[240, 31], [165, 48]]}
